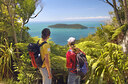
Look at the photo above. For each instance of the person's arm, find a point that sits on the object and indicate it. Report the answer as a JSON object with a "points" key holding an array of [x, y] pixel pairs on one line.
{"points": [[47, 63], [46, 51]]}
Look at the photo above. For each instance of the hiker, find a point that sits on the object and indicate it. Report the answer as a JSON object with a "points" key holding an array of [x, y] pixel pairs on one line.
{"points": [[45, 70], [73, 78]]}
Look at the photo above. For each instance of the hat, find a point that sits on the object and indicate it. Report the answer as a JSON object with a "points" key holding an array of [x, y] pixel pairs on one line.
{"points": [[71, 39]]}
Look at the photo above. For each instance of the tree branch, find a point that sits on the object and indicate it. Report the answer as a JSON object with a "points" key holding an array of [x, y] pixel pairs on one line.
{"points": [[26, 21], [37, 13], [107, 1]]}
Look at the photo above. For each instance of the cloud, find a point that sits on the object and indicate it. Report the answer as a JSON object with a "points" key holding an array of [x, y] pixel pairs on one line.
{"points": [[85, 18], [71, 19]]}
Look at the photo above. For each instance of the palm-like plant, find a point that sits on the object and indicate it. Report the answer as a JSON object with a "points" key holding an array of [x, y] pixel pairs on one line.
{"points": [[6, 56]]}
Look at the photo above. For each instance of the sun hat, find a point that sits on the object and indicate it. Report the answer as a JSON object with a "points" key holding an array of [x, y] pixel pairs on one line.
{"points": [[71, 39]]}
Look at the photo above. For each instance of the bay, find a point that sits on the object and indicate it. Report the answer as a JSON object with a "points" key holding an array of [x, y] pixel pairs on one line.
{"points": [[60, 35]]}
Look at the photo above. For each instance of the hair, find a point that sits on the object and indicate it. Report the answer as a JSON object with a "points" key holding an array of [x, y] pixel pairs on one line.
{"points": [[73, 47], [45, 33]]}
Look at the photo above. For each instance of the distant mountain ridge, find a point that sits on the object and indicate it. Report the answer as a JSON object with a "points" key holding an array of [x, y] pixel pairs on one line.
{"points": [[73, 26]]}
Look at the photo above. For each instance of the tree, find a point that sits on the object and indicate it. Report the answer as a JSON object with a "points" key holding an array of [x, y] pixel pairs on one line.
{"points": [[119, 11], [25, 10], [121, 14], [10, 5], [116, 11], [12, 11]]}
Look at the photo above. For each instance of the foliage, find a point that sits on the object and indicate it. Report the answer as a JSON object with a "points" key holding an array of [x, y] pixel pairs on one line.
{"points": [[25, 8], [9, 16], [6, 19], [91, 48], [109, 67], [107, 62], [9, 81], [119, 30], [58, 64], [59, 50], [26, 73], [103, 34], [6, 56]]}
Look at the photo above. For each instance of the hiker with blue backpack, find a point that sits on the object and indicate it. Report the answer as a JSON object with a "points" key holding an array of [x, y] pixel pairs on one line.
{"points": [[76, 63]]}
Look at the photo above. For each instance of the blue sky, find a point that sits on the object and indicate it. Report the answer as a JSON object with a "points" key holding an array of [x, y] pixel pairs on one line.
{"points": [[73, 10]]}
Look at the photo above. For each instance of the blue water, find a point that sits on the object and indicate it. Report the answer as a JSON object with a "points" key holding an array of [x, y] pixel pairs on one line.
{"points": [[60, 35]]}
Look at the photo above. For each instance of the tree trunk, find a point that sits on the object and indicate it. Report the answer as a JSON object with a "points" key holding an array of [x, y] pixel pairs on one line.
{"points": [[126, 12], [13, 27], [124, 43], [21, 32], [116, 12], [12, 23]]}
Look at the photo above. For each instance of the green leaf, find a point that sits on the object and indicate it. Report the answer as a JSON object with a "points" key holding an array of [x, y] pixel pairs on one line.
{"points": [[101, 77], [95, 65]]}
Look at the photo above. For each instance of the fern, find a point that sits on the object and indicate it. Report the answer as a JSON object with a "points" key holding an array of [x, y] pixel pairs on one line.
{"points": [[118, 31]]}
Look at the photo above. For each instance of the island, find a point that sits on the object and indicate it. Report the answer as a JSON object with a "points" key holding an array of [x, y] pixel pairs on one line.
{"points": [[73, 26]]}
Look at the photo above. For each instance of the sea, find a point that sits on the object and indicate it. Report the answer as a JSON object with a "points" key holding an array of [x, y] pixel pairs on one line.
{"points": [[60, 35]]}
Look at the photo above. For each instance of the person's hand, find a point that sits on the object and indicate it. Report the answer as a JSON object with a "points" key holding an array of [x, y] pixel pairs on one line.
{"points": [[50, 76]]}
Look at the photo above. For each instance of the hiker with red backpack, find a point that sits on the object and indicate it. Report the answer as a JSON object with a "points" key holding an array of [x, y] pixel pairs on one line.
{"points": [[76, 63], [45, 70], [40, 56]]}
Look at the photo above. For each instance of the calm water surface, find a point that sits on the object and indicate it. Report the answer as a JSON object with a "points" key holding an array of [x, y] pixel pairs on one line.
{"points": [[60, 35]]}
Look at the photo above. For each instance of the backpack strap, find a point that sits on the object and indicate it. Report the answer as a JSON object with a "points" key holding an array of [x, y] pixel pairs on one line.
{"points": [[38, 41], [41, 45]]}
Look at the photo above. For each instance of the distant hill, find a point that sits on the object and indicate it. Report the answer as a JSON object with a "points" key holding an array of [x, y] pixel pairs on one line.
{"points": [[73, 26]]}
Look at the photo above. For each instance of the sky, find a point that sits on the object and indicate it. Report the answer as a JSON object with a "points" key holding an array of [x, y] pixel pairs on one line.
{"points": [[72, 10]]}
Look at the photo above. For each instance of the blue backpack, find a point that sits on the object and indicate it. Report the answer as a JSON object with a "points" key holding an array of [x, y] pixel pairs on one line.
{"points": [[82, 65]]}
